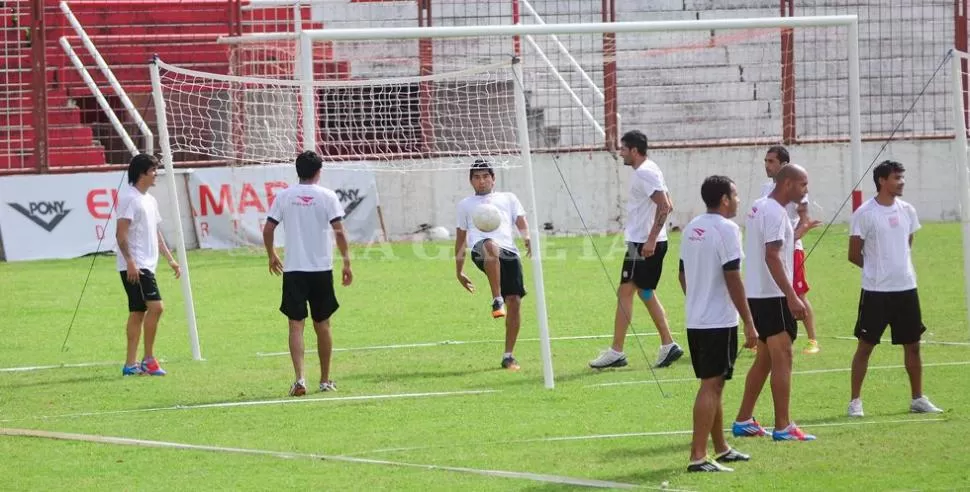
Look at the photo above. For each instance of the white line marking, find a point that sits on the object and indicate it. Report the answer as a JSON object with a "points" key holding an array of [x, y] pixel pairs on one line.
{"points": [[124, 441], [922, 342], [447, 342], [808, 371], [260, 402], [56, 366], [636, 434]]}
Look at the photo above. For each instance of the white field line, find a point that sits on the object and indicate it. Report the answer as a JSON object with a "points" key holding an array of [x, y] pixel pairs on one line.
{"points": [[922, 342], [808, 371], [636, 434], [446, 342], [337, 399], [124, 441], [57, 366]]}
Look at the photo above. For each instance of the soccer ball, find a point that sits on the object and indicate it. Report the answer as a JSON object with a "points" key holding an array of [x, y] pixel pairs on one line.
{"points": [[487, 217]]}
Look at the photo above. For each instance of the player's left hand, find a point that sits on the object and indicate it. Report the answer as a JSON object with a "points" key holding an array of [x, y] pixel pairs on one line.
{"points": [[528, 248], [648, 249], [809, 226], [175, 268]]}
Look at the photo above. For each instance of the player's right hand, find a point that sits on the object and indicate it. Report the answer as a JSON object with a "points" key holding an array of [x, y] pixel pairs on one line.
{"points": [[797, 307], [750, 336], [275, 265], [132, 272], [466, 283]]}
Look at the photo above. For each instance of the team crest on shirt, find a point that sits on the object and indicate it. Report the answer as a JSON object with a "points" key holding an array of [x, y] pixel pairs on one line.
{"points": [[893, 221], [307, 200], [753, 212], [698, 234]]}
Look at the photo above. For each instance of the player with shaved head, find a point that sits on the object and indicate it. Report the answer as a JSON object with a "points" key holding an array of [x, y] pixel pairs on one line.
{"points": [[769, 249]]}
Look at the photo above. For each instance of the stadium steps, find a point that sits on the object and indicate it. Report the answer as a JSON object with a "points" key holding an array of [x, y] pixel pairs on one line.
{"points": [[127, 34]]}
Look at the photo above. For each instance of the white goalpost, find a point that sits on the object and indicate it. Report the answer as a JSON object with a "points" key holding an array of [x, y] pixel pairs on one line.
{"points": [[429, 99], [961, 160]]}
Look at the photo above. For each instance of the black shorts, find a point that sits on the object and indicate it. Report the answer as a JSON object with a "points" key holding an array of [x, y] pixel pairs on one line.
{"points": [[644, 272], [713, 351], [899, 310], [510, 268], [313, 288], [772, 316], [138, 294]]}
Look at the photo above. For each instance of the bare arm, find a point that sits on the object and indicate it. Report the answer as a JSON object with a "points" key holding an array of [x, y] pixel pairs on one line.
{"points": [[164, 248], [735, 286], [269, 235], [121, 236], [523, 226], [682, 278], [777, 268], [855, 250], [341, 236], [664, 207], [460, 235]]}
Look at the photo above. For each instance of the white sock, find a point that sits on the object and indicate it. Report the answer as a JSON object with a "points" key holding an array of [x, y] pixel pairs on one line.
{"points": [[615, 352], [500, 300], [699, 462], [507, 355]]}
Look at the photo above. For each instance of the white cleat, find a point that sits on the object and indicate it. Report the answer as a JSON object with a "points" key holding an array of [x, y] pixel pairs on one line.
{"points": [[855, 408], [923, 405], [609, 358]]}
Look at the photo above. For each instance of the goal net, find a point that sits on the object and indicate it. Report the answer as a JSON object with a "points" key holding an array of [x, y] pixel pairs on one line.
{"points": [[441, 121]]}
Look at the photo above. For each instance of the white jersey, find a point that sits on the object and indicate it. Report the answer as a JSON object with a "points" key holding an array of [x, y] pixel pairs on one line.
{"points": [[766, 222], [503, 236], [887, 262], [791, 208], [306, 212], [640, 209], [142, 210], [710, 241]]}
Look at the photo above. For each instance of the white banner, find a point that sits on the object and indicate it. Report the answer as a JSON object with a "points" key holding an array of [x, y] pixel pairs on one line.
{"points": [[230, 204], [57, 216]]}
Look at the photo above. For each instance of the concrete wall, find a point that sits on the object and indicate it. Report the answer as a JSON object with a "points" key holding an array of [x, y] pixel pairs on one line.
{"points": [[598, 183]]}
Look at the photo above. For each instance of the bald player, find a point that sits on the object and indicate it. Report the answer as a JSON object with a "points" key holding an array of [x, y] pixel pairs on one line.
{"points": [[769, 249]]}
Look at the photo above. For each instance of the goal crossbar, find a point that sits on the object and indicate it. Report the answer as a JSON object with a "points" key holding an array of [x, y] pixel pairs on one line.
{"points": [[361, 34]]}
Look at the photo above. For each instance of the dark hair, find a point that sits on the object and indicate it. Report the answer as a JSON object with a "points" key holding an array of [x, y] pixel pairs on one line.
{"points": [[781, 153], [140, 165], [714, 188], [885, 169], [481, 165], [308, 163], [635, 139]]}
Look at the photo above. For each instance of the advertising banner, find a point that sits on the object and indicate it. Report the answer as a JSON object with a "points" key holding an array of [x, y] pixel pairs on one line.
{"points": [[58, 216], [230, 204]]}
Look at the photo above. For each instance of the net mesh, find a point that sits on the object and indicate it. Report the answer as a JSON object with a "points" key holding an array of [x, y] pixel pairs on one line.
{"points": [[441, 121], [683, 88]]}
